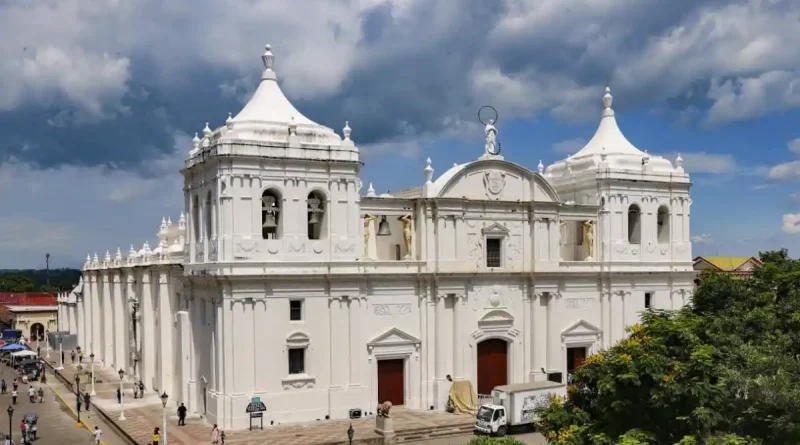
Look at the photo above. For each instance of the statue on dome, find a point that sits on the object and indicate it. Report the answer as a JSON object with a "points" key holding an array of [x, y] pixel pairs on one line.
{"points": [[367, 222], [407, 234], [491, 138]]}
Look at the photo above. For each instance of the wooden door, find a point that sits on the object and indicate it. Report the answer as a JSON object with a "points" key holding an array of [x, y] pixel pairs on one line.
{"points": [[391, 381], [575, 358], [492, 365]]}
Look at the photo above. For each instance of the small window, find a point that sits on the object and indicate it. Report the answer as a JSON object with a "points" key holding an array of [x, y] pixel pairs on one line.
{"points": [[297, 361], [663, 225], [648, 300], [493, 253], [634, 224], [315, 206], [296, 310]]}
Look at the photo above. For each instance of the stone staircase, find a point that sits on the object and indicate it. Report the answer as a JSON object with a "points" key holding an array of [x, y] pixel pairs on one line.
{"points": [[426, 433]]}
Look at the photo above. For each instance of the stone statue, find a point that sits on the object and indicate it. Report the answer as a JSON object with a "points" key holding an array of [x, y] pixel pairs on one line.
{"points": [[384, 408], [367, 221], [562, 231], [491, 138], [588, 237], [407, 234]]}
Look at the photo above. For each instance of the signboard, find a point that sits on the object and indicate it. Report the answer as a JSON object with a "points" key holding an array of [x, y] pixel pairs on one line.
{"points": [[256, 409]]}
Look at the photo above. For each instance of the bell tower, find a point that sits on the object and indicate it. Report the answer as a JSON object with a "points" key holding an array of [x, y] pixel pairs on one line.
{"points": [[272, 185]]}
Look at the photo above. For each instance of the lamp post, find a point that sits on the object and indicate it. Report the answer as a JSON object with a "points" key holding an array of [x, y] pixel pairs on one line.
{"points": [[47, 341], [164, 398], [121, 395], [91, 357], [78, 397], [10, 415], [350, 433], [61, 351]]}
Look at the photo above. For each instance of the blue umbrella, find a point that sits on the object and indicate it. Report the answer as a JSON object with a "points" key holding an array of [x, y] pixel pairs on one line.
{"points": [[12, 347]]}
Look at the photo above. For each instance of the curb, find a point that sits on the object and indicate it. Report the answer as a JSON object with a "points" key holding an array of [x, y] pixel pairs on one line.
{"points": [[119, 431]]}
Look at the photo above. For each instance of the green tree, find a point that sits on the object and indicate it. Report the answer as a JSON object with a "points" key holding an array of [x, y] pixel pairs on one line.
{"points": [[724, 371], [15, 283]]}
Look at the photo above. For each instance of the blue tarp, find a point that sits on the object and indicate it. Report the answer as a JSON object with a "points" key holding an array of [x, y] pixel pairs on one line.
{"points": [[12, 347]]}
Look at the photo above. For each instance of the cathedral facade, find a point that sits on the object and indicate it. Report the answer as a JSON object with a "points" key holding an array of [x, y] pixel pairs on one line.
{"points": [[283, 279]]}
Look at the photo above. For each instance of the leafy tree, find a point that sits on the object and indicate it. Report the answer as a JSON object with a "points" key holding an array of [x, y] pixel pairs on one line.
{"points": [[16, 283], [723, 371], [486, 440]]}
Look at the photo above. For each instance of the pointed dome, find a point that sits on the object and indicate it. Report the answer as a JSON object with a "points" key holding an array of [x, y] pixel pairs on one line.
{"points": [[608, 138], [268, 103]]}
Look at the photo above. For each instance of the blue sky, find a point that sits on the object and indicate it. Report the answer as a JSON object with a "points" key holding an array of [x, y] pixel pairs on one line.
{"points": [[99, 100]]}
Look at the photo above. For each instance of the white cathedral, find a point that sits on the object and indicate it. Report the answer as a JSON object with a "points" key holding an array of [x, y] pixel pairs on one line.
{"points": [[283, 281]]}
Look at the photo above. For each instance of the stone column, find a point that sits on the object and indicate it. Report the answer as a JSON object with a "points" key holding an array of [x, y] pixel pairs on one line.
{"points": [[120, 325], [107, 314], [529, 341], [442, 385], [458, 338], [539, 321], [81, 318], [96, 344], [356, 342], [148, 332], [165, 322], [131, 341], [339, 350]]}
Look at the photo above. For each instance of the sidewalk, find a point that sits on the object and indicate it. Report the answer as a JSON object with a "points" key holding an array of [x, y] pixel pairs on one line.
{"points": [[142, 415]]}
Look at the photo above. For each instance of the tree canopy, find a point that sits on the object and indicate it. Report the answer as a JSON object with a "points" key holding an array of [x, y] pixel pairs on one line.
{"points": [[721, 371], [32, 280]]}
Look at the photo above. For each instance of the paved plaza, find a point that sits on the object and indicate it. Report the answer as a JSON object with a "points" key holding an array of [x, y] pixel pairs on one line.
{"points": [[142, 415]]}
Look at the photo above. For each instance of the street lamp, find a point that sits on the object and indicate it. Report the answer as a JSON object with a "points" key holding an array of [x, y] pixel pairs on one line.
{"points": [[47, 340], [91, 357], [121, 395], [61, 350], [350, 434], [10, 415], [164, 398]]}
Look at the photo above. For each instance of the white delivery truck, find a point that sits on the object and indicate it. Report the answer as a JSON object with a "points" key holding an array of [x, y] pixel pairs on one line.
{"points": [[515, 405]]}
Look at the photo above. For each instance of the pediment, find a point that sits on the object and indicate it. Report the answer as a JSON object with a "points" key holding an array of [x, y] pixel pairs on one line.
{"points": [[297, 338], [494, 180], [581, 327], [495, 229], [394, 337], [496, 317]]}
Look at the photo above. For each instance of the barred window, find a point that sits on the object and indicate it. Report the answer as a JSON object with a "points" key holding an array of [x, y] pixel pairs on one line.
{"points": [[297, 361], [493, 252]]}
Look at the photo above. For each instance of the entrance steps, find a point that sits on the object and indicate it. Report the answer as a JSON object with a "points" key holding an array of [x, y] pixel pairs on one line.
{"points": [[435, 432]]}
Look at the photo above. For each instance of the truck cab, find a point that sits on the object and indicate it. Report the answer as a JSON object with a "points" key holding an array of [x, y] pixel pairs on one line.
{"points": [[492, 420]]}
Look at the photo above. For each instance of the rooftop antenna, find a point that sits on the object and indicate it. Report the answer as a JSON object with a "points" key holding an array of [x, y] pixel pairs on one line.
{"points": [[47, 267]]}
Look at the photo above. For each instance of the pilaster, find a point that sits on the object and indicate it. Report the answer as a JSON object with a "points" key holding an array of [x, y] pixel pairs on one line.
{"points": [[458, 337], [148, 354], [165, 340], [106, 352]]}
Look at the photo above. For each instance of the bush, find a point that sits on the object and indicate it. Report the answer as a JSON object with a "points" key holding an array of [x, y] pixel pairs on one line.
{"points": [[487, 440]]}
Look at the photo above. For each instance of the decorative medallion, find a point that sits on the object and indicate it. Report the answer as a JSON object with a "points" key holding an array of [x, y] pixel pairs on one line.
{"points": [[317, 247], [391, 309], [495, 182], [297, 246], [345, 247]]}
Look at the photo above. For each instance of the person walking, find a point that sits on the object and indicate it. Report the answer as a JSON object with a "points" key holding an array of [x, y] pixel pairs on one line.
{"points": [[215, 434], [14, 396], [22, 430], [80, 357], [182, 415], [3, 387], [31, 395], [62, 356], [78, 403], [15, 385], [72, 355], [87, 400], [41, 395], [141, 389], [156, 436], [119, 395], [8, 440], [97, 434]]}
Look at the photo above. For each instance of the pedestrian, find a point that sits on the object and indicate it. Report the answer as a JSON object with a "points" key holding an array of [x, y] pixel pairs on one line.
{"points": [[15, 385], [41, 395], [135, 390], [72, 355], [3, 387], [215, 434], [22, 428], [31, 395], [62, 357], [97, 433], [78, 403], [14, 396], [182, 415], [80, 357], [8, 440], [222, 437], [141, 389], [87, 400], [38, 351], [119, 395], [156, 436]]}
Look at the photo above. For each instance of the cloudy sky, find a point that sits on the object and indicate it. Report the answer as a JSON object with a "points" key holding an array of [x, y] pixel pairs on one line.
{"points": [[99, 100]]}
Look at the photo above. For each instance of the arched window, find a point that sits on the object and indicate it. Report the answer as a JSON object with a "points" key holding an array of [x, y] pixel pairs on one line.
{"points": [[663, 225], [207, 224], [634, 224], [196, 217], [316, 215], [270, 214]]}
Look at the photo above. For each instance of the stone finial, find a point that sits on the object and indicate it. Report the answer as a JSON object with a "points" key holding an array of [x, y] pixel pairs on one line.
{"points": [[118, 255], [608, 99], [146, 247], [131, 252], [455, 164], [107, 258], [229, 118], [347, 130], [182, 221], [207, 130], [96, 259], [163, 226], [195, 141], [428, 171], [169, 222], [370, 191], [540, 167], [679, 161], [268, 58], [88, 258]]}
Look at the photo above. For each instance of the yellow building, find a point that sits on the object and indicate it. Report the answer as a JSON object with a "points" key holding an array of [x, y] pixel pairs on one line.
{"points": [[738, 266], [33, 321]]}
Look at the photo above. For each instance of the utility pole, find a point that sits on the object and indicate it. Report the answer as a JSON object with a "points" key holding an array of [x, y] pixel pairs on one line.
{"points": [[47, 267]]}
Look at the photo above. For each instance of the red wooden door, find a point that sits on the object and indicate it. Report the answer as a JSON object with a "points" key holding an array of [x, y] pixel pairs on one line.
{"points": [[492, 365], [575, 358], [391, 381]]}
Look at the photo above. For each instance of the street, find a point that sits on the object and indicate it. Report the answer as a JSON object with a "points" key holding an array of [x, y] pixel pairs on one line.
{"points": [[56, 425]]}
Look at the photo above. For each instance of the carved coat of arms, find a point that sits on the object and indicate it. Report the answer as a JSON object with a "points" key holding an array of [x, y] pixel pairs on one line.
{"points": [[495, 182]]}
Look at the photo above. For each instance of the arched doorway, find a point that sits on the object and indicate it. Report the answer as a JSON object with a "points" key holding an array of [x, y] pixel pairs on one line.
{"points": [[492, 364], [37, 332]]}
